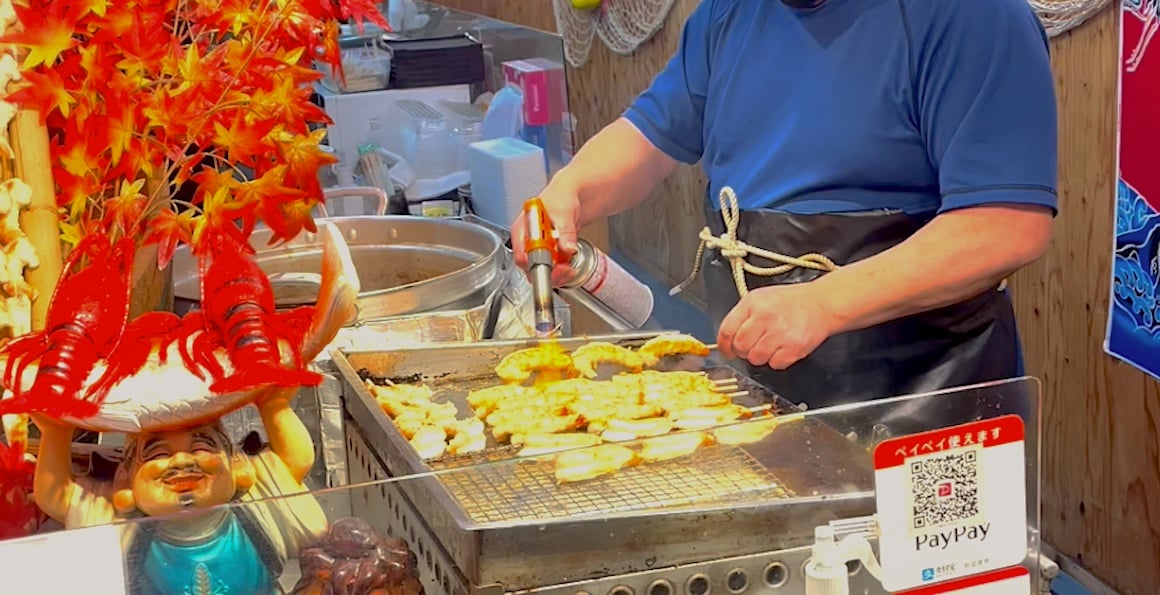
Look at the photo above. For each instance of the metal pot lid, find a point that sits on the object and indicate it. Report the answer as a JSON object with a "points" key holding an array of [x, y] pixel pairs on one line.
{"points": [[405, 264]]}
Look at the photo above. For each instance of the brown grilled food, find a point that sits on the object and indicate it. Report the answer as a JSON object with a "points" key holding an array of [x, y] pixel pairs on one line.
{"points": [[519, 366], [587, 357], [590, 463], [353, 558]]}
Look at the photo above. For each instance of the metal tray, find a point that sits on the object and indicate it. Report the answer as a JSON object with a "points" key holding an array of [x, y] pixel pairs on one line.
{"points": [[406, 265], [492, 519]]}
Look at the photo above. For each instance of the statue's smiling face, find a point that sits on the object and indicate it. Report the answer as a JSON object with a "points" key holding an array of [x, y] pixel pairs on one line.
{"points": [[181, 470]]}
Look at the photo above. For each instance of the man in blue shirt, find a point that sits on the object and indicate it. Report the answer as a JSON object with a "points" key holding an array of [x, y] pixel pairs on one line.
{"points": [[912, 142]]}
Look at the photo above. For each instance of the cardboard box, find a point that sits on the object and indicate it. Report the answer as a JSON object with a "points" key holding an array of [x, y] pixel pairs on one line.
{"points": [[544, 87]]}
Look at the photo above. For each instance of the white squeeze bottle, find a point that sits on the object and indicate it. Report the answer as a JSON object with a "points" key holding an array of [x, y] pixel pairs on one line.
{"points": [[606, 281]]}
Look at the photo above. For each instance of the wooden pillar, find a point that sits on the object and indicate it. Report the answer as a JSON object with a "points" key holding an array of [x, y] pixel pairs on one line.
{"points": [[152, 288], [41, 220]]}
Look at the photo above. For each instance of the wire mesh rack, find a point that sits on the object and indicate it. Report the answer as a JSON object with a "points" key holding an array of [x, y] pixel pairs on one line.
{"points": [[528, 489]]}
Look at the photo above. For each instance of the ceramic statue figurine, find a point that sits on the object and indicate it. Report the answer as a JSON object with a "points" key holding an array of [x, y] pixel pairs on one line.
{"points": [[197, 546]]}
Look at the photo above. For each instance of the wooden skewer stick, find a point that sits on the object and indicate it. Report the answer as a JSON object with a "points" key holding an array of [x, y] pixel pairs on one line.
{"points": [[740, 393], [712, 346], [385, 382]]}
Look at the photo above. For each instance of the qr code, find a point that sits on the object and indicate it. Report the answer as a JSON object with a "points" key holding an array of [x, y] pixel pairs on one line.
{"points": [[945, 489]]}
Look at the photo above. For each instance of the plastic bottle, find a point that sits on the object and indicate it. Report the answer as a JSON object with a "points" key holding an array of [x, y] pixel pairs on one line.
{"points": [[826, 572]]}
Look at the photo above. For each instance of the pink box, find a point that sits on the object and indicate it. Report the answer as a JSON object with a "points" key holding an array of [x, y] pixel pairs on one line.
{"points": [[544, 88]]}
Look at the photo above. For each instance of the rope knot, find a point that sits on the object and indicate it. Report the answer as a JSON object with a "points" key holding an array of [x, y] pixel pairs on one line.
{"points": [[734, 252], [737, 251]]}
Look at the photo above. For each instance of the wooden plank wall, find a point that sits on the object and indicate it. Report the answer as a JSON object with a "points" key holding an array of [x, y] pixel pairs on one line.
{"points": [[1101, 461], [1101, 480]]}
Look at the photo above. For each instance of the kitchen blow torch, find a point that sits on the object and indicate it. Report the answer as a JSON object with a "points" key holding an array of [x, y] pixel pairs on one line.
{"points": [[540, 245]]}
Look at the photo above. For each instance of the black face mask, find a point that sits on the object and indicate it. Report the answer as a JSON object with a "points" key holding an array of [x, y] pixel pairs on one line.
{"points": [[802, 3]]}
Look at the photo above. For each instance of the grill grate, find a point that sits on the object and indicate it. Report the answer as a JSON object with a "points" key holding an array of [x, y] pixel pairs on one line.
{"points": [[516, 492], [528, 490]]}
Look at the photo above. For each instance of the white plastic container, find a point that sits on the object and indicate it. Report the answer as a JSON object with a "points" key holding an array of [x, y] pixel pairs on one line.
{"points": [[430, 142], [366, 69], [505, 172], [466, 124]]}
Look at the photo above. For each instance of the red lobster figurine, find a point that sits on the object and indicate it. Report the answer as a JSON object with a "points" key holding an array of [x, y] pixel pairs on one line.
{"points": [[86, 322], [238, 312]]}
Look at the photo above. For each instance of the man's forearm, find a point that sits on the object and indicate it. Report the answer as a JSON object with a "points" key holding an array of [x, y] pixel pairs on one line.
{"points": [[289, 438], [956, 256], [613, 172], [53, 484]]}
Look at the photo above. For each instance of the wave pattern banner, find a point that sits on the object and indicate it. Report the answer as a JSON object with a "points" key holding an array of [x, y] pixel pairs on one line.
{"points": [[1134, 316]]}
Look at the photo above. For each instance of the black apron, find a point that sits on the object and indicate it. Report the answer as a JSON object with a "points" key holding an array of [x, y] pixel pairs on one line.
{"points": [[967, 343]]}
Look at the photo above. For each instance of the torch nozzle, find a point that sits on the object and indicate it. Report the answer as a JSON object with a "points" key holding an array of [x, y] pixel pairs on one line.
{"points": [[540, 245]]}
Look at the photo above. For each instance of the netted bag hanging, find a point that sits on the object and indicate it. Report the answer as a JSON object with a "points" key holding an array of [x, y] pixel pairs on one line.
{"points": [[625, 24], [578, 28], [621, 24], [1061, 16]]}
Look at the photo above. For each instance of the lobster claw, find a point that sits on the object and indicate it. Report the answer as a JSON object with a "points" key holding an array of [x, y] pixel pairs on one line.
{"points": [[239, 311], [86, 322], [153, 354]]}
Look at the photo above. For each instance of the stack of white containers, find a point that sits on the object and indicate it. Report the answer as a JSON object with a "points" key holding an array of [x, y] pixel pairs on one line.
{"points": [[467, 124], [505, 173], [430, 142]]}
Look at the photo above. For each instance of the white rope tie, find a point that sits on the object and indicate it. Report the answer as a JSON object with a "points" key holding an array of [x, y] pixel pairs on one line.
{"points": [[737, 251]]}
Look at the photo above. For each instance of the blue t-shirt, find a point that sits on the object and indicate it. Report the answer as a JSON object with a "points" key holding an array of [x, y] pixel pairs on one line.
{"points": [[920, 105]]}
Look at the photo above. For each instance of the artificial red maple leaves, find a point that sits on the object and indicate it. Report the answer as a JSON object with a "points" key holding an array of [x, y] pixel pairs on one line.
{"points": [[19, 515], [216, 92]]}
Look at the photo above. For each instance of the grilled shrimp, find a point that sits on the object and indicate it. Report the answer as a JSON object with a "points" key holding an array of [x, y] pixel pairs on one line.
{"points": [[587, 357], [671, 344], [517, 367]]}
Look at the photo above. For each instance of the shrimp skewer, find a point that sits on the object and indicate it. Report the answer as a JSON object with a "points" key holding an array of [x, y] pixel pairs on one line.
{"points": [[587, 357], [662, 346], [517, 367]]}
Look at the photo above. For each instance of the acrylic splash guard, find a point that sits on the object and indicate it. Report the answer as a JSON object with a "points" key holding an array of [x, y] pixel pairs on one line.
{"points": [[1134, 314]]}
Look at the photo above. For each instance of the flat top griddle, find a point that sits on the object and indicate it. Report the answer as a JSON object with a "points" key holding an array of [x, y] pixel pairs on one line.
{"points": [[490, 488], [489, 510]]}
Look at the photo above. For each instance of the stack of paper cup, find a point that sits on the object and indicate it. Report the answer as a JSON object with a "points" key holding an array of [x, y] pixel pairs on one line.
{"points": [[505, 173]]}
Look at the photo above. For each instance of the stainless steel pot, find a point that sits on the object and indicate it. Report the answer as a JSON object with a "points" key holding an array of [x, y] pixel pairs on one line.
{"points": [[406, 265]]}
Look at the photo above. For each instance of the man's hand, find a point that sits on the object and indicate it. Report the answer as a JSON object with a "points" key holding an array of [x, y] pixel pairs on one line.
{"points": [[777, 326], [275, 398], [563, 207]]}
